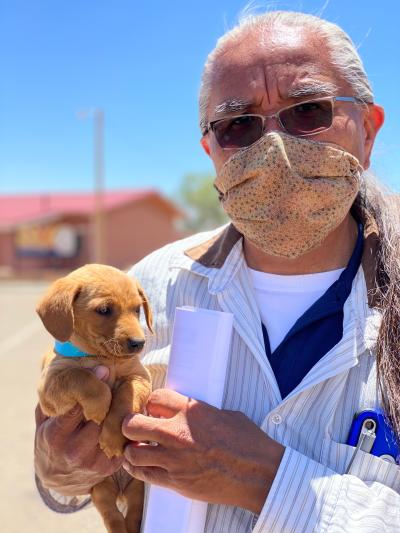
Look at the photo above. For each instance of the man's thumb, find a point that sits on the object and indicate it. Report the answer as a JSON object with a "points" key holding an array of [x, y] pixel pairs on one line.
{"points": [[101, 372]]}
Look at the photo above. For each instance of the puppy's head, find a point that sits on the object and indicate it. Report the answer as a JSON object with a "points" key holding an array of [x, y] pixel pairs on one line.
{"points": [[97, 307]]}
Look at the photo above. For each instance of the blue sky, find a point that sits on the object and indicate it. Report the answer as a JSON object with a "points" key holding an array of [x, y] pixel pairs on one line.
{"points": [[141, 61]]}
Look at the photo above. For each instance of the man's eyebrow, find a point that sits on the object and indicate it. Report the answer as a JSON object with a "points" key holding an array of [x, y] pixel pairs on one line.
{"points": [[232, 105], [314, 88]]}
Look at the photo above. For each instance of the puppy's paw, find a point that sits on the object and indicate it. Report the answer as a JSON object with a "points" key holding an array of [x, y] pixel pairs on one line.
{"points": [[96, 408], [111, 440]]}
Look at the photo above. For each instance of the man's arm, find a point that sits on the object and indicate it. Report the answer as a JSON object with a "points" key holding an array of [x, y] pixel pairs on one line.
{"points": [[223, 458]]}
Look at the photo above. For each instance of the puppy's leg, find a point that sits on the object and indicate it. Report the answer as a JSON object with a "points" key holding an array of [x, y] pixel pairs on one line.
{"points": [[104, 496], [130, 397], [134, 497], [60, 391]]}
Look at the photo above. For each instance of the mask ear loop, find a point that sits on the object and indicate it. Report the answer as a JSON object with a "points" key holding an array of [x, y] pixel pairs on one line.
{"points": [[220, 194], [360, 202]]}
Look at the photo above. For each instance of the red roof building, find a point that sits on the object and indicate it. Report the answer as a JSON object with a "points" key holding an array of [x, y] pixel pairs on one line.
{"points": [[64, 231]]}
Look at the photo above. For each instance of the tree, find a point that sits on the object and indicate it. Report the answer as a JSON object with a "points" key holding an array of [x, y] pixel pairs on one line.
{"points": [[198, 197]]}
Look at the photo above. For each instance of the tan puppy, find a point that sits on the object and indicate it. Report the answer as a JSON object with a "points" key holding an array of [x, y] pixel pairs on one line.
{"points": [[96, 308]]}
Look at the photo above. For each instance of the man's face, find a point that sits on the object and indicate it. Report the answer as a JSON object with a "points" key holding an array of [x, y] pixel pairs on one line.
{"points": [[281, 68]]}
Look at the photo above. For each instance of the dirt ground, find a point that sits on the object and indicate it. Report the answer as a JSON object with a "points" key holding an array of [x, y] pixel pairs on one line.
{"points": [[22, 342]]}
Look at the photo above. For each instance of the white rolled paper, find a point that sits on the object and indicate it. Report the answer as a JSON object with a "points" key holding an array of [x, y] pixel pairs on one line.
{"points": [[197, 368]]}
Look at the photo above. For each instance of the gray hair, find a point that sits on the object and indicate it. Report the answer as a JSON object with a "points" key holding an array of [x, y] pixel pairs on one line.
{"points": [[343, 54]]}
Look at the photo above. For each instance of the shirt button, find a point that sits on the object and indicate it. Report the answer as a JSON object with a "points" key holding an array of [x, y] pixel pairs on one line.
{"points": [[276, 419]]}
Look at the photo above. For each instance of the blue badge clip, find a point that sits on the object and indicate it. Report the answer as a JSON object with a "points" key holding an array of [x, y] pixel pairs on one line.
{"points": [[371, 432]]}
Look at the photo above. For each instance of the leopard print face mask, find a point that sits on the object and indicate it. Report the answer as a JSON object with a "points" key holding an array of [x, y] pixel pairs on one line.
{"points": [[286, 194]]}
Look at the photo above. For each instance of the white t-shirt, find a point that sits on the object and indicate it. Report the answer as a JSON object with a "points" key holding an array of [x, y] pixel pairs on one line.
{"points": [[283, 299]]}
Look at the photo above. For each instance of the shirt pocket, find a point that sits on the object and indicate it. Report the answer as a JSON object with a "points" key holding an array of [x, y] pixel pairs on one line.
{"points": [[367, 467]]}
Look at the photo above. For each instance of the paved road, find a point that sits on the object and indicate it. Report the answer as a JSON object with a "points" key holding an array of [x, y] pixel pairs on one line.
{"points": [[22, 341]]}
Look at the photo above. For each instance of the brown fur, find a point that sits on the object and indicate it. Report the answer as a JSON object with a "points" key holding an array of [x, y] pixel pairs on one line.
{"points": [[69, 311]]}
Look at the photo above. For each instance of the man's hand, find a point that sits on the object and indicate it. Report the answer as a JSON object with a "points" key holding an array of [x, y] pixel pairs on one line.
{"points": [[203, 453], [67, 456]]}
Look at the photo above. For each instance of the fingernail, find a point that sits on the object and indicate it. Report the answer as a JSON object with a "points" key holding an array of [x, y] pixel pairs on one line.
{"points": [[101, 372]]}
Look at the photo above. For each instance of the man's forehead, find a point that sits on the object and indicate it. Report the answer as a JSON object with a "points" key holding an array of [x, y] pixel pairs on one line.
{"points": [[287, 66]]}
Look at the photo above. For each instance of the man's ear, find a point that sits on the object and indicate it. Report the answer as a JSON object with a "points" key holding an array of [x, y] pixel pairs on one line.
{"points": [[146, 306], [373, 121], [56, 308], [205, 145]]}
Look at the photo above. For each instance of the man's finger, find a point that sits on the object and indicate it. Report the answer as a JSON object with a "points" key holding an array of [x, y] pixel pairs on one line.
{"points": [[147, 455], [153, 475], [166, 403], [101, 372], [144, 428]]}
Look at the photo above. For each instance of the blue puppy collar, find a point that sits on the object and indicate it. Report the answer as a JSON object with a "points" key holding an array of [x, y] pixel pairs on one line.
{"points": [[67, 349]]}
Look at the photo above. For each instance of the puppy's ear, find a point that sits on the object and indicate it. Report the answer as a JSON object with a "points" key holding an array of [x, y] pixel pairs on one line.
{"points": [[55, 309], [146, 306]]}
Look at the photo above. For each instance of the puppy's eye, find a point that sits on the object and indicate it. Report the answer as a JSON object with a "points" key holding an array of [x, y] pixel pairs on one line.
{"points": [[137, 310], [104, 310]]}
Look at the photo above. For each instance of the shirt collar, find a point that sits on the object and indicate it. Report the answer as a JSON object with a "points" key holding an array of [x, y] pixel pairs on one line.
{"points": [[220, 256]]}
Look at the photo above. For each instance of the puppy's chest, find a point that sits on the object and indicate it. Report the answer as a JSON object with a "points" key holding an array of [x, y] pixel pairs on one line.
{"points": [[119, 371], [115, 377]]}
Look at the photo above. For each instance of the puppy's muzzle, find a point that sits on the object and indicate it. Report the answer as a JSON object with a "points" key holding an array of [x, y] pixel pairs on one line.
{"points": [[135, 344]]}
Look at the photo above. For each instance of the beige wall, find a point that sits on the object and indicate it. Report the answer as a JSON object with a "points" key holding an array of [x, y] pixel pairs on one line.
{"points": [[6, 249], [137, 229]]}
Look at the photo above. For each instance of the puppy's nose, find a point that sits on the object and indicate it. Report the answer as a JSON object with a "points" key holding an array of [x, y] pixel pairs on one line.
{"points": [[135, 344]]}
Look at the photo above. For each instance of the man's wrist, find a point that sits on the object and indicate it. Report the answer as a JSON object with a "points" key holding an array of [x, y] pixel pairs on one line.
{"points": [[254, 497]]}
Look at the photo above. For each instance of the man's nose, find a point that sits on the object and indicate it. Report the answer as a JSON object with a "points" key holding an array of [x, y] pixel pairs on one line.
{"points": [[272, 124]]}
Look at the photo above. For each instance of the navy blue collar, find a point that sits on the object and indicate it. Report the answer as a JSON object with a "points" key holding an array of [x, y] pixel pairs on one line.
{"points": [[333, 299], [343, 285], [67, 349]]}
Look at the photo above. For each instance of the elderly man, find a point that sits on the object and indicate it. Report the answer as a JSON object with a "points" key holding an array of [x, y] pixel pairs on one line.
{"points": [[308, 267]]}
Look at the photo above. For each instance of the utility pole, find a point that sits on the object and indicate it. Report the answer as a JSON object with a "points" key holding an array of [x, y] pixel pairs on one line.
{"points": [[97, 226], [98, 171]]}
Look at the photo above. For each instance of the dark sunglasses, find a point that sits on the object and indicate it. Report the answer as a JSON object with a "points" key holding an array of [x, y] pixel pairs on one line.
{"points": [[305, 118]]}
